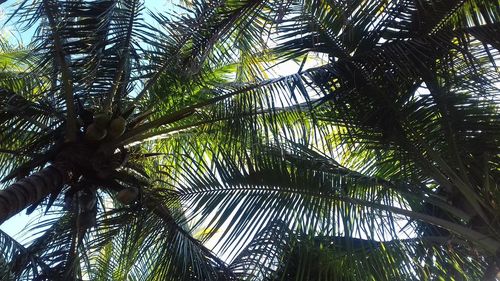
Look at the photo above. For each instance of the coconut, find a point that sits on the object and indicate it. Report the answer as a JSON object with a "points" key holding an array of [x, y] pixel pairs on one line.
{"points": [[127, 196], [117, 127], [94, 133], [102, 120]]}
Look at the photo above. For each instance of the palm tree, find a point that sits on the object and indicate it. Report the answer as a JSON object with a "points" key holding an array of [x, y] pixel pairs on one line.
{"points": [[163, 146]]}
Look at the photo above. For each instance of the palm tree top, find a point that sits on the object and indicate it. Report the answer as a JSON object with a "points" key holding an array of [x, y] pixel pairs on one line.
{"points": [[252, 140]]}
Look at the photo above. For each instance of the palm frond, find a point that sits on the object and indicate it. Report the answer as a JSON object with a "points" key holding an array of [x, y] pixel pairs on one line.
{"points": [[315, 257]]}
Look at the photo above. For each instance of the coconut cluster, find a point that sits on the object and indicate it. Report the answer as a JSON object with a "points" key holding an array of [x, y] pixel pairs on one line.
{"points": [[104, 126]]}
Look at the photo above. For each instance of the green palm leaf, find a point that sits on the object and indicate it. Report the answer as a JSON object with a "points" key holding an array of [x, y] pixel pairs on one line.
{"points": [[252, 140]]}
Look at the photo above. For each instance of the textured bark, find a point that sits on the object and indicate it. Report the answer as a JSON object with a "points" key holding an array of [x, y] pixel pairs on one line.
{"points": [[29, 190]]}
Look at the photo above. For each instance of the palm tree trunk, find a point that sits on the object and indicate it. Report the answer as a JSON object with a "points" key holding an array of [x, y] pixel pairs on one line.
{"points": [[31, 189]]}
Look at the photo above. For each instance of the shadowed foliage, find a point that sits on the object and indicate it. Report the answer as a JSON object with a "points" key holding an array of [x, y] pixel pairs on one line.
{"points": [[252, 140]]}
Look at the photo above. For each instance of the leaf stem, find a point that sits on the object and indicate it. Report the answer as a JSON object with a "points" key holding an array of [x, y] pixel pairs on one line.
{"points": [[71, 124]]}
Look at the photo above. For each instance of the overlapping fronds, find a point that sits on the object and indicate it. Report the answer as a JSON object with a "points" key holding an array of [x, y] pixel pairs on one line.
{"points": [[381, 162], [278, 253]]}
